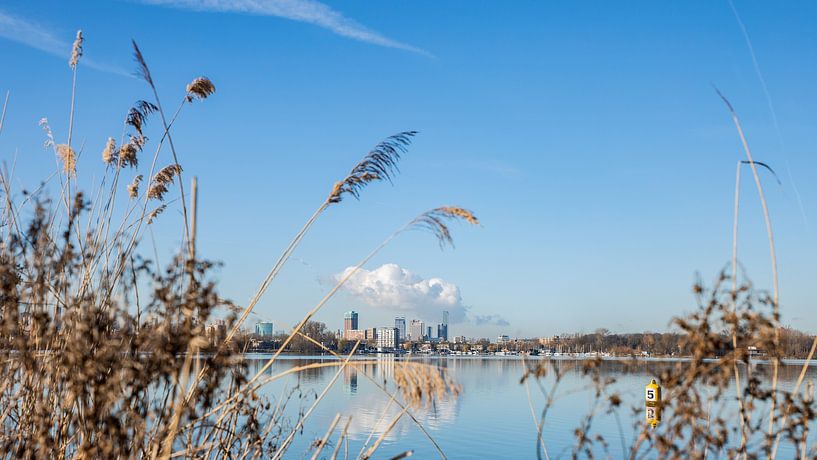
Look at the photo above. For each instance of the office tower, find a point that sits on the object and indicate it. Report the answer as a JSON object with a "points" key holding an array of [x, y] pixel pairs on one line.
{"points": [[400, 324], [416, 330], [264, 329], [350, 320]]}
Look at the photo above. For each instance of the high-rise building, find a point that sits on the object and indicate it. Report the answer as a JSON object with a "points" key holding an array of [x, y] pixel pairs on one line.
{"points": [[400, 324], [350, 320], [442, 332], [442, 328], [388, 338], [264, 329], [428, 333], [416, 330]]}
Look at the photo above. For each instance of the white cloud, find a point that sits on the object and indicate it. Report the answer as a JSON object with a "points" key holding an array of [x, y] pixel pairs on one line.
{"points": [[393, 287], [309, 11], [41, 38]]}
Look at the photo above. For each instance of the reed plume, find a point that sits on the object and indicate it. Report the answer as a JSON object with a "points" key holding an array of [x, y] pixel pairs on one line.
{"points": [[142, 71], [138, 115], [379, 164], [76, 50], [152, 215], [434, 221], [68, 157], [162, 179], [200, 88], [133, 187], [109, 152], [127, 153]]}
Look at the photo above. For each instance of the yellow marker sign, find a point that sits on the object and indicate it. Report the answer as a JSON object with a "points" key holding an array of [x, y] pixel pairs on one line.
{"points": [[652, 415], [653, 394]]}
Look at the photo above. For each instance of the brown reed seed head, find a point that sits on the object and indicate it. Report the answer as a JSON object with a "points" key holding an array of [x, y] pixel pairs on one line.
{"points": [[200, 88], [437, 220], [380, 163], [127, 154], [133, 187], [76, 50], [155, 213], [143, 70], [138, 115], [109, 152], [162, 179], [68, 157]]}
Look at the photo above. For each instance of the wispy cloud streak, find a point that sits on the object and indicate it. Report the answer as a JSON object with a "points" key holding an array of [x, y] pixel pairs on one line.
{"points": [[35, 36], [308, 11]]}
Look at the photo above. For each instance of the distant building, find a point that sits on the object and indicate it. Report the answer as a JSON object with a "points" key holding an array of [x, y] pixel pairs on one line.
{"points": [[264, 329], [400, 324], [388, 338], [371, 333], [442, 328], [442, 332], [354, 334], [428, 333], [460, 339], [503, 339], [350, 320], [349, 324], [416, 330]]}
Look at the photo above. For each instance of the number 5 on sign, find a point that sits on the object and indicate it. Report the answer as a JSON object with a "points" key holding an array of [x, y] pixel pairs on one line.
{"points": [[653, 393]]}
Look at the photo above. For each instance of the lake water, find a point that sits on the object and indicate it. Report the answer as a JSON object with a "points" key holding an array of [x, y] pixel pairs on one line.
{"points": [[491, 418]]}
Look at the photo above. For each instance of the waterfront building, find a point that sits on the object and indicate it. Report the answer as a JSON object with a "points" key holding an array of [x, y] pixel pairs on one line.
{"points": [[264, 329], [442, 328], [388, 338], [350, 320], [400, 324], [371, 333], [354, 334], [416, 330]]}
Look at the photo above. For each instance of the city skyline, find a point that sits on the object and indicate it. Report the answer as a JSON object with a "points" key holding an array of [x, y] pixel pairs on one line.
{"points": [[640, 206]]}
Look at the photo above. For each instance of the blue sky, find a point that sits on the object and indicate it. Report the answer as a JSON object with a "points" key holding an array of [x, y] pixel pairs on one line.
{"points": [[586, 136]]}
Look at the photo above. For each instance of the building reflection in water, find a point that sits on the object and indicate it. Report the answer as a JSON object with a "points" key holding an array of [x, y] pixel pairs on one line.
{"points": [[350, 379]]}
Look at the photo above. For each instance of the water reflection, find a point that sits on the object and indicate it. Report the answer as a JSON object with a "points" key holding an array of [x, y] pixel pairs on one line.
{"points": [[491, 418]]}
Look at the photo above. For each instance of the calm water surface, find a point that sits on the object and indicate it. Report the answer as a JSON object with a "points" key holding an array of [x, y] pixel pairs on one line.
{"points": [[491, 418]]}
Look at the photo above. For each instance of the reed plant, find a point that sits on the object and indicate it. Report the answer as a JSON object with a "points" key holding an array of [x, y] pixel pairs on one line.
{"points": [[105, 354]]}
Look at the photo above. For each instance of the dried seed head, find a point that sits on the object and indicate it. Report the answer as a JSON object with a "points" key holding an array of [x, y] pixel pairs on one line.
{"points": [[76, 51], [127, 154], [435, 221], [155, 213], [162, 179], [138, 114], [143, 70], [49, 142], [379, 164], [200, 88], [68, 157], [133, 187], [109, 152]]}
